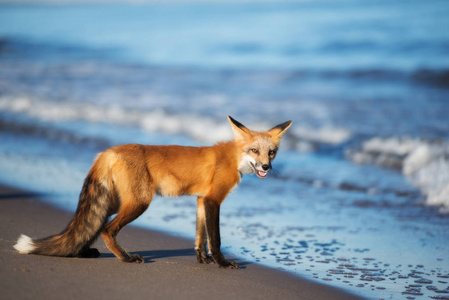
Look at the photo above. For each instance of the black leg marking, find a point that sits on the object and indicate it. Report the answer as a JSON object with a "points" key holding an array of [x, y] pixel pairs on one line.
{"points": [[213, 233]]}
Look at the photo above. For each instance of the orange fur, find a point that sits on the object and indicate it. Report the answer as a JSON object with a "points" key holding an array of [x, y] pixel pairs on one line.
{"points": [[128, 177]]}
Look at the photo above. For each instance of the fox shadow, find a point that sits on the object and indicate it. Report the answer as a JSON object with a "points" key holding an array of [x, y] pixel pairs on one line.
{"points": [[22, 195]]}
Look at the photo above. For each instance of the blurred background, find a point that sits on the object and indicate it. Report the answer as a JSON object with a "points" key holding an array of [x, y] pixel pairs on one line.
{"points": [[363, 173]]}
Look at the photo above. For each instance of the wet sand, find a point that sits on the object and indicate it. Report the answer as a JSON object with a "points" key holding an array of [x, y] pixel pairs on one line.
{"points": [[170, 270]]}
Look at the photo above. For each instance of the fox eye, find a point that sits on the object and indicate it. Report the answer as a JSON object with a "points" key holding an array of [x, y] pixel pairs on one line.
{"points": [[272, 153], [254, 150]]}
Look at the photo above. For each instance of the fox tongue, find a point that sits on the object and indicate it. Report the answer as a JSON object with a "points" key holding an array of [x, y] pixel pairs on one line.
{"points": [[262, 173]]}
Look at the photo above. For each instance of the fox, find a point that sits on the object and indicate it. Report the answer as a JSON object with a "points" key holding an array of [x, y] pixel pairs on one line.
{"points": [[124, 179]]}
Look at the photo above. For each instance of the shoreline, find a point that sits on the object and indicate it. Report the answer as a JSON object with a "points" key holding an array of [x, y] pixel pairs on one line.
{"points": [[170, 270]]}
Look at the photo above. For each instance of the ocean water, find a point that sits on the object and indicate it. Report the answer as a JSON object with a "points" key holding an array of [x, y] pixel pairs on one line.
{"points": [[360, 194]]}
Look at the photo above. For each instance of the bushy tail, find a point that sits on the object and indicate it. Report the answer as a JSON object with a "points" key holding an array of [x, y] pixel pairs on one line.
{"points": [[90, 217]]}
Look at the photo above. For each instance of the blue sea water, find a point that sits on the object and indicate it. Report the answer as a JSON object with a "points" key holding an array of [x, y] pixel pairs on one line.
{"points": [[360, 196]]}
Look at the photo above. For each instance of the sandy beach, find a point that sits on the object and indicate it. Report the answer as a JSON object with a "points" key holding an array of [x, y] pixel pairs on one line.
{"points": [[170, 270], [358, 197]]}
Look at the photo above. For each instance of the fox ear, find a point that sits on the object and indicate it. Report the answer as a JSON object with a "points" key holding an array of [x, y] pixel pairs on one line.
{"points": [[240, 131], [280, 129]]}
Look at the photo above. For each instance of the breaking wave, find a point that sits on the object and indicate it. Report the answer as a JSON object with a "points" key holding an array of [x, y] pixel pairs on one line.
{"points": [[199, 128], [425, 163]]}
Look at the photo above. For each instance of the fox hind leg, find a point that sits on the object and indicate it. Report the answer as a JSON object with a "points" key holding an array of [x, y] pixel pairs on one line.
{"points": [[133, 193], [125, 215]]}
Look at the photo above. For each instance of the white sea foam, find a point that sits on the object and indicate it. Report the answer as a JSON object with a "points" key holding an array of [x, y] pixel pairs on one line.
{"points": [[200, 128], [425, 163]]}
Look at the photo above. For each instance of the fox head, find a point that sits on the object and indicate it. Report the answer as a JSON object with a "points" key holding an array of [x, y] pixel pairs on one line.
{"points": [[258, 149]]}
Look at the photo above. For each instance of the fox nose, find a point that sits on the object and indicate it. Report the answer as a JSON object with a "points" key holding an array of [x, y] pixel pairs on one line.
{"points": [[265, 167]]}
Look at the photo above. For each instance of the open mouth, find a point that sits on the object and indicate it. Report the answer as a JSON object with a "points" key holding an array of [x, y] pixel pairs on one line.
{"points": [[261, 174]]}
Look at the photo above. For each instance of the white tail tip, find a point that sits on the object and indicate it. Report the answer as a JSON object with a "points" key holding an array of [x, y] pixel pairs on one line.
{"points": [[24, 244]]}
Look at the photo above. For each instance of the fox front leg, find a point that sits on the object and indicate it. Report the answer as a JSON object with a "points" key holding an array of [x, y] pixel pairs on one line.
{"points": [[212, 210], [200, 240]]}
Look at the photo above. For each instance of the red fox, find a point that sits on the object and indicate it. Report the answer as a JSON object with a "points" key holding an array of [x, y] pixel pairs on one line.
{"points": [[124, 179]]}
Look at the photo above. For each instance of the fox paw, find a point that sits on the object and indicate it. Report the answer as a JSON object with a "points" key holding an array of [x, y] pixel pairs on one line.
{"points": [[205, 260], [134, 258], [228, 265]]}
